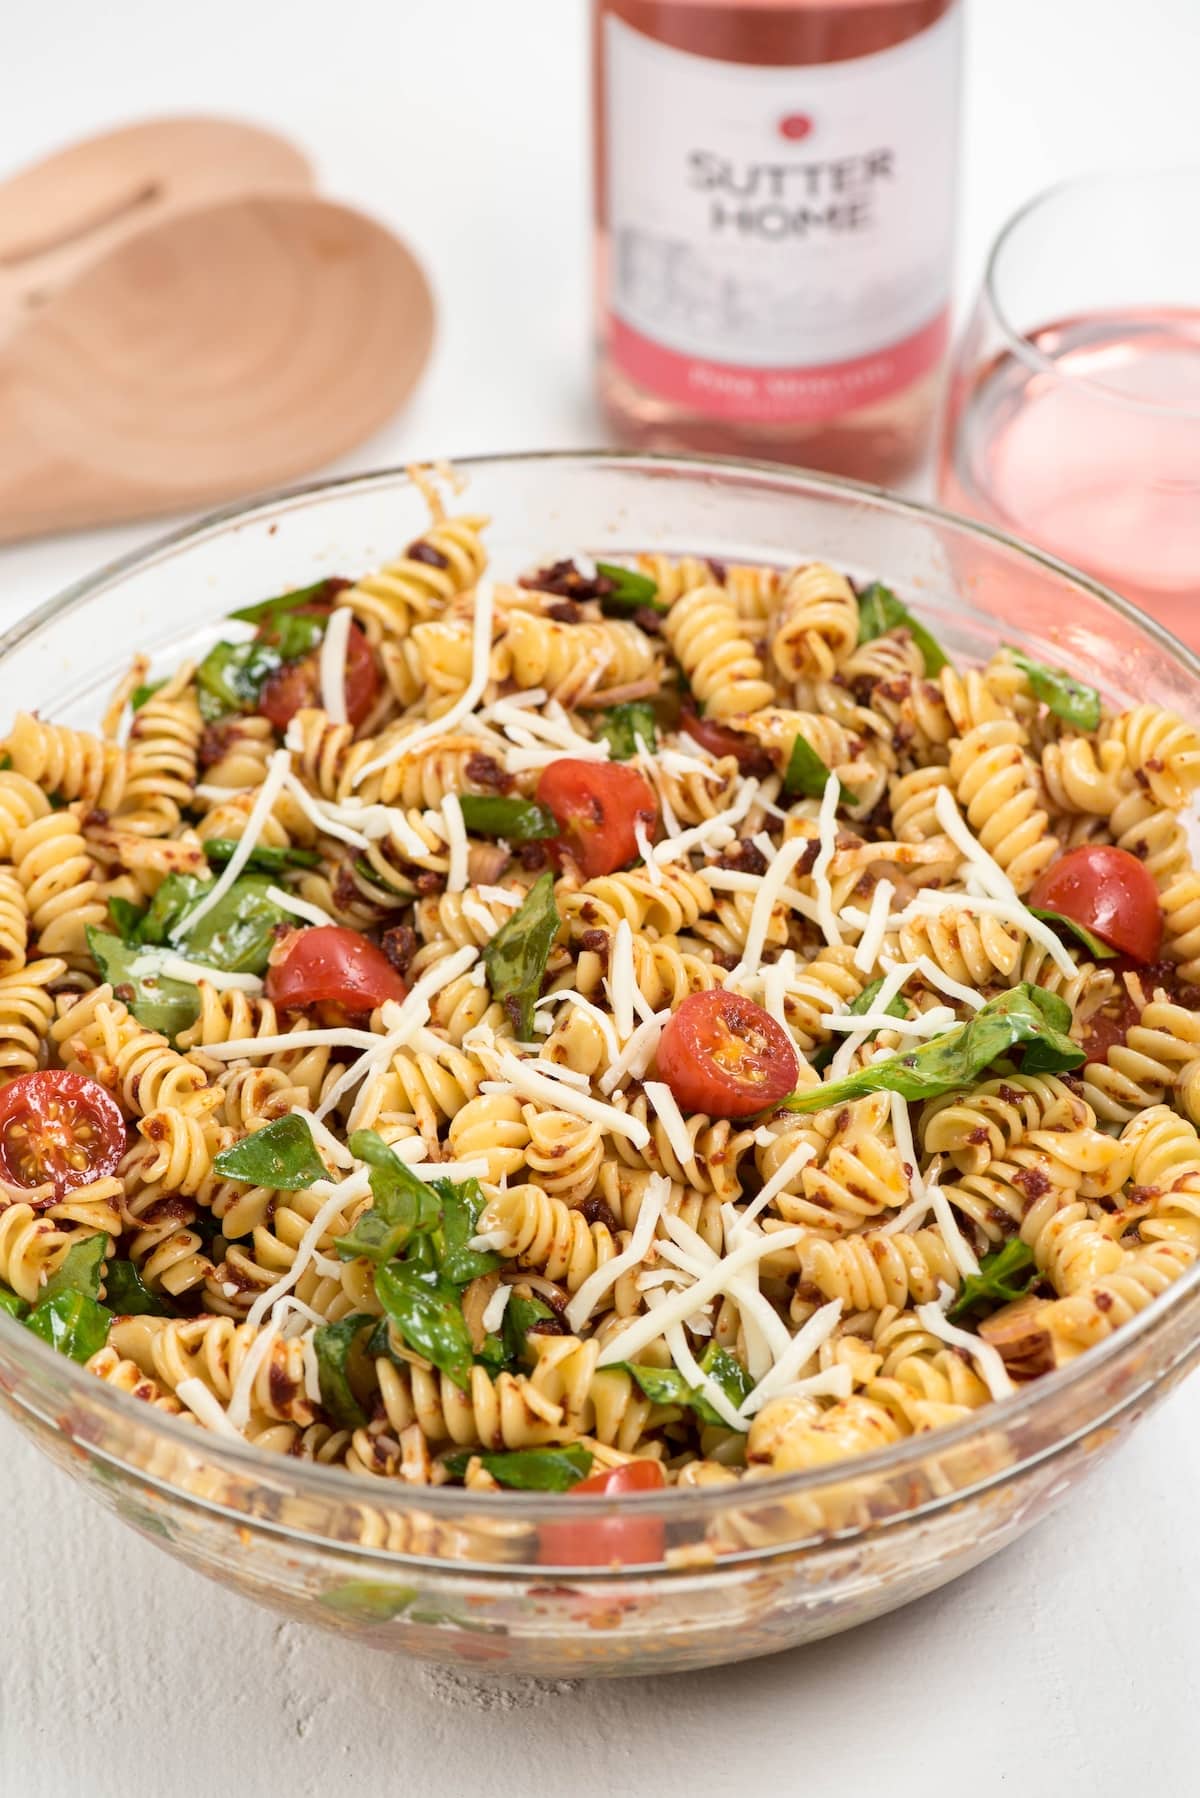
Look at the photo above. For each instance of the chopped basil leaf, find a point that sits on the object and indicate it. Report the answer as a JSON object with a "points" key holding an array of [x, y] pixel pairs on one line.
{"points": [[864, 1003], [879, 610], [993, 1284], [295, 634], [426, 1312], [1095, 945], [127, 1294], [1025, 1014], [528, 1469], [147, 690], [516, 957], [622, 725], [630, 590], [72, 1323], [81, 1270], [167, 1006], [1066, 697], [807, 774], [404, 1206], [336, 1349], [281, 1155], [316, 595], [263, 857], [520, 820], [10, 1303]]}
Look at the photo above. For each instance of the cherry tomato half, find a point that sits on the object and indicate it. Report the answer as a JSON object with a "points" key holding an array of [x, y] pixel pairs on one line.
{"points": [[1109, 892], [725, 1055], [718, 739], [61, 1127], [608, 1541], [298, 684], [597, 806], [333, 965]]}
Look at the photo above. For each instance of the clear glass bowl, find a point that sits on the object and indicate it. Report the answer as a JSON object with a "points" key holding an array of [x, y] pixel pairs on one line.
{"points": [[750, 1567]]}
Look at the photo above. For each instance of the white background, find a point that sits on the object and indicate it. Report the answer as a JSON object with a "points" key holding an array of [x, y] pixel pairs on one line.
{"points": [[1070, 1665]]}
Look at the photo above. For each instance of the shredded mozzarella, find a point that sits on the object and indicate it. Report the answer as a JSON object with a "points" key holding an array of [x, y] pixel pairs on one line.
{"points": [[166, 963], [300, 908], [497, 1305], [672, 1119], [784, 1174], [456, 837], [355, 1186], [802, 1347], [991, 1365], [867, 953], [637, 1053], [273, 783], [620, 982], [332, 664], [766, 898], [205, 1405], [605, 1277], [716, 832], [534, 1083], [827, 826]]}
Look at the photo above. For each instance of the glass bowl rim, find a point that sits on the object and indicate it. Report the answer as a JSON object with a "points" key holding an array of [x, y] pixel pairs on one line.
{"points": [[1016, 339], [336, 1483]]}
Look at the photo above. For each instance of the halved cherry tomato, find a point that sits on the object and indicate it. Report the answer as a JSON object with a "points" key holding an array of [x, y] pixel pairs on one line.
{"points": [[298, 684], [725, 1055], [718, 739], [597, 806], [61, 1127], [332, 965], [608, 1541], [1109, 892]]}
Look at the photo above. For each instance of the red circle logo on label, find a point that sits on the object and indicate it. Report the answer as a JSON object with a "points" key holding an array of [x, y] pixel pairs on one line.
{"points": [[795, 125]]}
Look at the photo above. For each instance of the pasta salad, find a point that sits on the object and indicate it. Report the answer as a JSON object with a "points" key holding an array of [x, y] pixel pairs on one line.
{"points": [[639, 1024]]}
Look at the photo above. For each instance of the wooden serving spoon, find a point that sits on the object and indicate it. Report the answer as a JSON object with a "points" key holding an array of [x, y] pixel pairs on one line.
{"points": [[162, 354]]}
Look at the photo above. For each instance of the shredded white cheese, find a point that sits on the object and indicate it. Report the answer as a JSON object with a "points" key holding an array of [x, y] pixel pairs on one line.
{"points": [[273, 783], [991, 1366], [332, 664], [867, 953], [620, 982], [827, 826], [168, 965], [605, 1277], [355, 1186], [497, 1305], [802, 1347], [528, 1079], [637, 1053], [671, 1118], [456, 837], [205, 1405], [300, 908]]}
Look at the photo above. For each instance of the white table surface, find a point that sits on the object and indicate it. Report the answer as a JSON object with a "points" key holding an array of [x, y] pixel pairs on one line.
{"points": [[1070, 1664]]}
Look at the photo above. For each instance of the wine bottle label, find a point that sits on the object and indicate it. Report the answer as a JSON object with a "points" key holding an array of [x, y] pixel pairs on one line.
{"points": [[780, 237]]}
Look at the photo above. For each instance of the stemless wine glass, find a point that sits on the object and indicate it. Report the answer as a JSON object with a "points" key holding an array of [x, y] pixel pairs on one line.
{"points": [[1074, 410]]}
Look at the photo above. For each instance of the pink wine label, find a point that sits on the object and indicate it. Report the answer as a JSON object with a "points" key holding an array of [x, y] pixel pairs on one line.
{"points": [[780, 238]]}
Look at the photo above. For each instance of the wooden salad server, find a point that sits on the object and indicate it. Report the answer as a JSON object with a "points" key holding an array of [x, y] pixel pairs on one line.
{"points": [[182, 320]]}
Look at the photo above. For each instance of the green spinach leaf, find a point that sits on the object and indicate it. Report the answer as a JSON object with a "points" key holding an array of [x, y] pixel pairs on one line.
{"points": [[319, 594], [1025, 1014], [72, 1323], [461, 1206], [521, 1315], [237, 935], [147, 690], [264, 858], [336, 1347], [528, 1469], [519, 820], [1095, 945], [667, 1386], [167, 1006], [879, 610], [994, 1284], [404, 1206], [857, 1009], [281, 1155], [1066, 697], [127, 1295], [629, 592], [127, 917], [808, 775], [82, 1269], [622, 725], [426, 1312], [516, 957], [10, 1303], [232, 676]]}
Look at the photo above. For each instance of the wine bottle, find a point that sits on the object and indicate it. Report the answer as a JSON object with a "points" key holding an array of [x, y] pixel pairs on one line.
{"points": [[775, 187]]}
